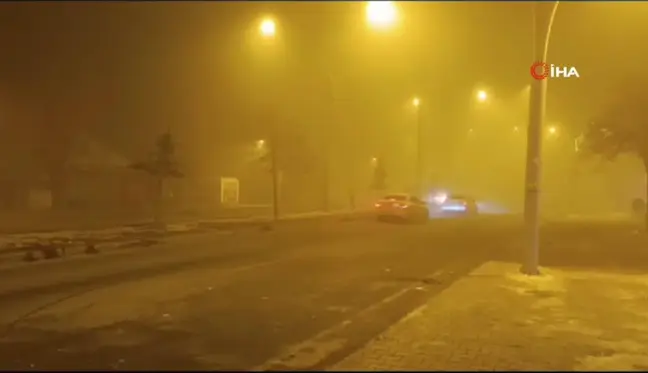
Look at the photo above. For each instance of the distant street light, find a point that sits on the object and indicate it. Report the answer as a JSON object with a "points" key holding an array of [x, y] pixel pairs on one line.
{"points": [[268, 28], [260, 144], [381, 14], [553, 130], [516, 129], [482, 96], [416, 102]]}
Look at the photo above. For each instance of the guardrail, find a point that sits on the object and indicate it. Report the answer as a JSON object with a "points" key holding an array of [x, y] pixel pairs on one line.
{"points": [[53, 245]]}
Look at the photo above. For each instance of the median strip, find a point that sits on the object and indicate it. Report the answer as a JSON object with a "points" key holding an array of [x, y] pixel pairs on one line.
{"points": [[53, 245]]}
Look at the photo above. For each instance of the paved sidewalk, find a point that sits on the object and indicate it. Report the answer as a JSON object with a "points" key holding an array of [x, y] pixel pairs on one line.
{"points": [[498, 319]]}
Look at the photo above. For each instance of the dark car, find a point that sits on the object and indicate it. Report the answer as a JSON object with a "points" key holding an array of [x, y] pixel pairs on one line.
{"points": [[459, 205]]}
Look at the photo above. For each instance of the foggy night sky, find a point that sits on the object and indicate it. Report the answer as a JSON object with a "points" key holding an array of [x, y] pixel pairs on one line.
{"points": [[123, 71]]}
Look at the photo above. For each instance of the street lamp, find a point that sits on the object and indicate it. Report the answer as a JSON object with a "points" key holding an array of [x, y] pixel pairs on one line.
{"points": [[268, 28], [537, 100], [381, 14], [482, 96], [416, 102], [553, 130]]}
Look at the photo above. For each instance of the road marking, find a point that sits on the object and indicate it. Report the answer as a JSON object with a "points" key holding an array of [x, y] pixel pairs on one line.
{"points": [[314, 350]]}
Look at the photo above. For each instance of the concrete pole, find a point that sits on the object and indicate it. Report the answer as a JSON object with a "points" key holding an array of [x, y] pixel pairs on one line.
{"points": [[274, 160], [419, 154], [542, 31]]}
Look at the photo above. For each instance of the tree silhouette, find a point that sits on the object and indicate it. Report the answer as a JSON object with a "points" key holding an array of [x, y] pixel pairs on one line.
{"points": [[380, 175], [621, 128], [162, 166]]}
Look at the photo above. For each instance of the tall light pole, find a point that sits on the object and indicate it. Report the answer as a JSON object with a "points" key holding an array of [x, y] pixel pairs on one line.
{"points": [[380, 15], [416, 102], [537, 100], [268, 31], [328, 137]]}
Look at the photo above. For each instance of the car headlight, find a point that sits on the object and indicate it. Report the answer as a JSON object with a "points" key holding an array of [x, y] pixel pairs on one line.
{"points": [[440, 198]]}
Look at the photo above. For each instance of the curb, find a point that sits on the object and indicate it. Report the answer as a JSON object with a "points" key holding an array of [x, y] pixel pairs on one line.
{"points": [[59, 245]]}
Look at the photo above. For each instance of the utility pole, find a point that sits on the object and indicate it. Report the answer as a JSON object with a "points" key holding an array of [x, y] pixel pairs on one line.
{"points": [[418, 187], [326, 171], [274, 164], [330, 127], [419, 153], [541, 33]]}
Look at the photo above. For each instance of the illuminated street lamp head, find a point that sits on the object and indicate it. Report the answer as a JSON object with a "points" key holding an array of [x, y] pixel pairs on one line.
{"points": [[553, 130], [260, 144], [416, 102], [268, 28], [482, 96], [381, 14]]}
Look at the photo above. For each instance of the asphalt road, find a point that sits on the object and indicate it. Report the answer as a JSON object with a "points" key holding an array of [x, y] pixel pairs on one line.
{"points": [[212, 246], [297, 298]]}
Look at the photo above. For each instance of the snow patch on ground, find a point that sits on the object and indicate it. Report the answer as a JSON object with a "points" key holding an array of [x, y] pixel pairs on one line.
{"points": [[607, 311]]}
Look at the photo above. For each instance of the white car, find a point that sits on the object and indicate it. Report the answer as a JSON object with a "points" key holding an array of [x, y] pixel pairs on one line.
{"points": [[402, 207]]}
